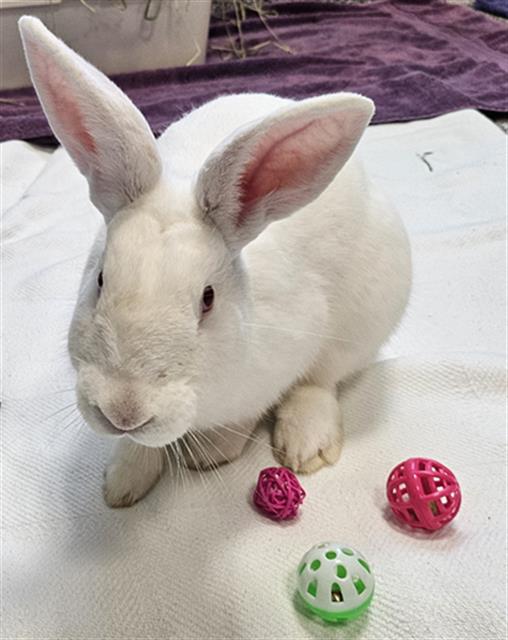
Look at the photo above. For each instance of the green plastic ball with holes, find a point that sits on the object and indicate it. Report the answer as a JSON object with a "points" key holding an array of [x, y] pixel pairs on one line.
{"points": [[335, 582]]}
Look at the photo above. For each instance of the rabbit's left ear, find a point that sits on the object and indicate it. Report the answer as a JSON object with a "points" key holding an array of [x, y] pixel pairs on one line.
{"points": [[279, 164], [105, 134]]}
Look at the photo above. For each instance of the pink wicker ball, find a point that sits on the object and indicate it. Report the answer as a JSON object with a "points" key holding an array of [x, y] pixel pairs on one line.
{"points": [[423, 493], [278, 493]]}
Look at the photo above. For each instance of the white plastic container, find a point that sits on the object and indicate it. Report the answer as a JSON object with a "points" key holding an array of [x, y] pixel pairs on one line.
{"points": [[114, 39]]}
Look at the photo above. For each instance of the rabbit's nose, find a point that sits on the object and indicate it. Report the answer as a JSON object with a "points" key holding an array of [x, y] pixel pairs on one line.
{"points": [[125, 418]]}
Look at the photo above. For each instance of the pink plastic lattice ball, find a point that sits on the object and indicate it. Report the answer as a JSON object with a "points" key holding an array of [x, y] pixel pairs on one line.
{"points": [[423, 493], [278, 493]]}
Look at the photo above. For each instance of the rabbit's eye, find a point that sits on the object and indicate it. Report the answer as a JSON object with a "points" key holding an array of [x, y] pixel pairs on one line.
{"points": [[207, 300], [100, 280]]}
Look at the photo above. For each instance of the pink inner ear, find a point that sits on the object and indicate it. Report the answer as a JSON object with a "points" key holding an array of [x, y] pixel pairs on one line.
{"points": [[288, 159], [63, 112], [71, 117]]}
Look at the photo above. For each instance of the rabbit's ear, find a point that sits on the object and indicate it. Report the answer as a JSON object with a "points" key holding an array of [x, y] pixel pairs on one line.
{"points": [[105, 134], [276, 166]]}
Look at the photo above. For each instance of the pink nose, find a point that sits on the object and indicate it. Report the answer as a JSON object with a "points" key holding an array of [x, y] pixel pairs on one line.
{"points": [[125, 418]]}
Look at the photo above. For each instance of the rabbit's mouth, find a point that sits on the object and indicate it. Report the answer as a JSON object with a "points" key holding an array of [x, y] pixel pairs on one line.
{"points": [[96, 419], [154, 424], [112, 429], [105, 423]]}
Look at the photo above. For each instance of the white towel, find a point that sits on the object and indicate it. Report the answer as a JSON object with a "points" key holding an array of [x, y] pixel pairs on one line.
{"points": [[193, 559]]}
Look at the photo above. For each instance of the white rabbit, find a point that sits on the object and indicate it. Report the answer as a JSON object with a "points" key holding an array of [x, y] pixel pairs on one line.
{"points": [[239, 270]]}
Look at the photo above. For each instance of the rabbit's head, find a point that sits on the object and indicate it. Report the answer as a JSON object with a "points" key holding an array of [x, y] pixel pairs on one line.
{"points": [[158, 329]]}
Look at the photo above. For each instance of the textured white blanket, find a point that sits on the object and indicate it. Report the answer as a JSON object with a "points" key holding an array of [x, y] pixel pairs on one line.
{"points": [[194, 560]]}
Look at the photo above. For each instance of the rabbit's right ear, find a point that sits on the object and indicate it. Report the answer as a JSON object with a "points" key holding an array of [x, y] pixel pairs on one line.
{"points": [[105, 134], [276, 166]]}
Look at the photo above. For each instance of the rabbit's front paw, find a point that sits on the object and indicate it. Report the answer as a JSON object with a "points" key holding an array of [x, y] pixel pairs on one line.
{"points": [[308, 432], [131, 472]]}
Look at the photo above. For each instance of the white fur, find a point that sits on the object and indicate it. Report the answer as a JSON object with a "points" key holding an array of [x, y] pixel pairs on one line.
{"points": [[311, 268], [131, 473], [308, 434]]}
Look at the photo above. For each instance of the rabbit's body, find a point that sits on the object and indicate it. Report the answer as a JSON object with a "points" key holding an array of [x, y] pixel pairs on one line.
{"points": [[247, 265], [327, 285]]}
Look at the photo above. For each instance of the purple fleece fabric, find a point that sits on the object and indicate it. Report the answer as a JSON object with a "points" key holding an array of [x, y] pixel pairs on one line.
{"points": [[496, 7], [415, 59]]}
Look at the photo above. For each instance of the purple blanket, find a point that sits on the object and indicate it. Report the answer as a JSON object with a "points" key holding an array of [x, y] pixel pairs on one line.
{"points": [[415, 59], [496, 7]]}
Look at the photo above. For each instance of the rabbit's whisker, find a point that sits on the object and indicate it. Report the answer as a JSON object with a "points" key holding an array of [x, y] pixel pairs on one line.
{"points": [[196, 465], [298, 331], [168, 460], [71, 406], [250, 437], [213, 466], [181, 465], [74, 421], [212, 444]]}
